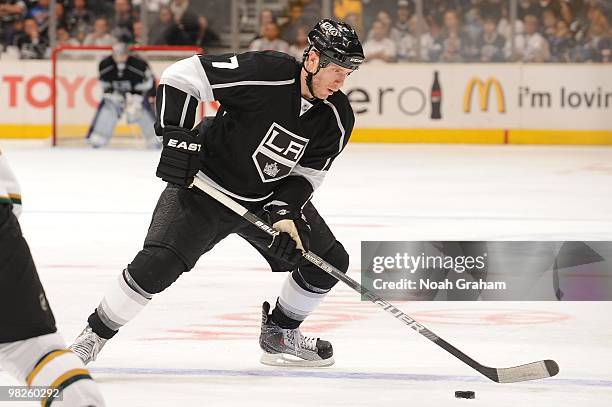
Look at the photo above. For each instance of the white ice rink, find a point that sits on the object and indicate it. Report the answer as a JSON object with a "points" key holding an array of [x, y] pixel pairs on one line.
{"points": [[86, 213]]}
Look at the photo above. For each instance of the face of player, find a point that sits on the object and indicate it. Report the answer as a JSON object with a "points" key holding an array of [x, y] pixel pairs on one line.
{"points": [[329, 80]]}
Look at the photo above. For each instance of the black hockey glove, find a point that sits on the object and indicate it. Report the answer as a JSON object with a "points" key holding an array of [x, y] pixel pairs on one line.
{"points": [[295, 233], [180, 156]]}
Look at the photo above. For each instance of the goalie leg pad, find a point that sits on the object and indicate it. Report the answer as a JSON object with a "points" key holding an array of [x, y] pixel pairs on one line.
{"points": [[104, 122], [146, 123]]}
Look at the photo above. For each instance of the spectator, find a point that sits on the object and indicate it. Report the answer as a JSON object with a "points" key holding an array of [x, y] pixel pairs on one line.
{"points": [[434, 13], [63, 37], [599, 36], [11, 33], [299, 44], [452, 45], [40, 12], [401, 27], [576, 21], [451, 49], [11, 11], [79, 18], [31, 44], [542, 6], [60, 15], [137, 30], [265, 17], [207, 38], [549, 19], [159, 30], [179, 8], [122, 21], [270, 41], [289, 29], [490, 43], [473, 23], [504, 26], [605, 50], [407, 49], [560, 43], [384, 18], [100, 35], [526, 7], [380, 47], [532, 46], [186, 27]]}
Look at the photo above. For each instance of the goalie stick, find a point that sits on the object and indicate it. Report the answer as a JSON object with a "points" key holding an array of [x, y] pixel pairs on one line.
{"points": [[530, 371]]}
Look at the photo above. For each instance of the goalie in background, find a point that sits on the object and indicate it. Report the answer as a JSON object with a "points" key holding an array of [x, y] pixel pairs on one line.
{"points": [[126, 82]]}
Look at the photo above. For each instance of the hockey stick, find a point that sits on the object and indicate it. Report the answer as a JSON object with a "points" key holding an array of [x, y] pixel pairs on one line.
{"points": [[530, 371]]}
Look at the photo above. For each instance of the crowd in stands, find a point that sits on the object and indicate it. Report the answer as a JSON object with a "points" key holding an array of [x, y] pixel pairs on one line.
{"points": [[480, 30], [24, 24], [391, 30]]}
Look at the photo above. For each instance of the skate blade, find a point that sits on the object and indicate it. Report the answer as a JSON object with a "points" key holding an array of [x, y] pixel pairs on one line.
{"points": [[284, 360]]}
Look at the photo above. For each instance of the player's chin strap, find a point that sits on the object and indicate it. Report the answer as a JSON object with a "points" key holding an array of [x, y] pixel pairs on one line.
{"points": [[310, 75]]}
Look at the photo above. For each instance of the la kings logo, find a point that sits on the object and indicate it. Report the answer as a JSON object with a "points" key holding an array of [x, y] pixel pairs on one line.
{"points": [[278, 153]]}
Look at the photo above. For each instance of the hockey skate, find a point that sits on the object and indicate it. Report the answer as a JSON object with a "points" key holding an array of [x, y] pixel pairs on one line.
{"points": [[288, 347], [87, 345]]}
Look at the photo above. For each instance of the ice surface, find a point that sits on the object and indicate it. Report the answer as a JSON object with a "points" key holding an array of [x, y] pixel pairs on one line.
{"points": [[86, 213]]}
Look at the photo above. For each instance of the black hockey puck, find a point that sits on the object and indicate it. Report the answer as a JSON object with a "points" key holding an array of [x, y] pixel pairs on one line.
{"points": [[465, 394]]}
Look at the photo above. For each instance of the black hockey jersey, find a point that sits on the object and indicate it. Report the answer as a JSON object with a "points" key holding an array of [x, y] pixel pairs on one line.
{"points": [[133, 76], [267, 142]]}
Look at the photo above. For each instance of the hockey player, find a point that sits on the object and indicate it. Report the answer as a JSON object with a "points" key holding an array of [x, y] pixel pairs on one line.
{"points": [[31, 349], [125, 79], [279, 128]]}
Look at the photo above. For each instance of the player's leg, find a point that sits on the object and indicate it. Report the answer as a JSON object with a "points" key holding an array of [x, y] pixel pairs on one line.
{"points": [[302, 291], [30, 348], [109, 111], [185, 224]]}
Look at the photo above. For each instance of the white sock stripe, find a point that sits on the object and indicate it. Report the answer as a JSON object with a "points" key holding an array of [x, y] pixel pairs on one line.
{"points": [[106, 320], [121, 303], [309, 286], [109, 317], [297, 314], [130, 292], [134, 285], [296, 300], [302, 291]]}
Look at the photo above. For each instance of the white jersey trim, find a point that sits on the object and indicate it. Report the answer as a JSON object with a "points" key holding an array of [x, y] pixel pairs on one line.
{"points": [[189, 76], [218, 187], [256, 83], [315, 177], [340, 126]]}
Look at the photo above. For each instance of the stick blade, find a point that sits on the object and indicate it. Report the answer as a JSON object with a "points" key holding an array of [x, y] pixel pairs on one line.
{"points": [[530, 371]]}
